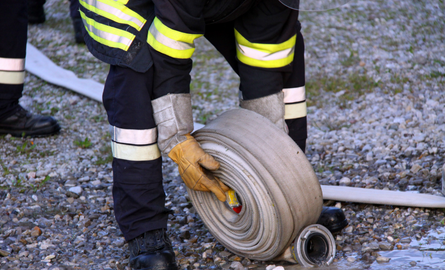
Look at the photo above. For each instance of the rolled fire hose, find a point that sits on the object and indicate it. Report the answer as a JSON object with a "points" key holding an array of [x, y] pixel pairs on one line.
{"points": [[278, 189]]}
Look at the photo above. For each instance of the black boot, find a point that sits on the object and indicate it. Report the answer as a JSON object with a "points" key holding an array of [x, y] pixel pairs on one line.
{"points": [[333, 219], [152, 251], [24, 123], [78, 24], [36, 12]]}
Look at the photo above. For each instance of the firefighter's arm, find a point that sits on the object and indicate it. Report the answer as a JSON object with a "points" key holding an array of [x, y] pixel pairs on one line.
{"points": [[174, 120]]}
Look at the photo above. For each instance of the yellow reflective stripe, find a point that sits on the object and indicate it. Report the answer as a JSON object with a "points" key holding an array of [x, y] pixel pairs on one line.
{"points": [[12, 64], [135, 152], [12, 77], [173, 34], [171, 42], [107, 35], [115, 11], [295, 94], [264, 64], [133, 136], [265, 55], [296, 110]]}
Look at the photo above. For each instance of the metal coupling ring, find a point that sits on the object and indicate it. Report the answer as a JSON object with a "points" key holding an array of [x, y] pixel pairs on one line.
{"points": [[314, 246]]}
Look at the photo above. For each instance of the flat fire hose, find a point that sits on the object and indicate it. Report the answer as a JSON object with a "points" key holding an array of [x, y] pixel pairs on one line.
{"points": [[278, 189]]}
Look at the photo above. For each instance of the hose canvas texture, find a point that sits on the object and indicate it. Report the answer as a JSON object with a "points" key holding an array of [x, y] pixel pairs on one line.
{"points": [[275, 183]]}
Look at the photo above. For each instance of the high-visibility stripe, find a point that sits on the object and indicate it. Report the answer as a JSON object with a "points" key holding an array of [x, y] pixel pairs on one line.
{"points": [[295, 94], [295, 110], [12, 77], [171, 42], [115, 11], [12, 64], [107, 35], [135, 152], [133, 136], [265, 55]]}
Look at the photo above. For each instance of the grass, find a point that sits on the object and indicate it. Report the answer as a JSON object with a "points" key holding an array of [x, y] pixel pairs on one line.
{"points": [[25, 148], [354, 85], [41, 184], [86, 143], [105, 151], [5, 168]]}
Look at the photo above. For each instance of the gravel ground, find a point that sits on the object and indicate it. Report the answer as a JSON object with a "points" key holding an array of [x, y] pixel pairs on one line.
{"points": [[375, 81]]}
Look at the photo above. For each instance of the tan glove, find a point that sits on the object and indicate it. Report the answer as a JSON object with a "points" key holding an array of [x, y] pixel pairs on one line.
{"points": [[190, 157]]}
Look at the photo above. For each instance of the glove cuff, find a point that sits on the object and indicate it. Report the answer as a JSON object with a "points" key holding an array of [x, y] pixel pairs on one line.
{"points": [[271, 107], [174, 119]]}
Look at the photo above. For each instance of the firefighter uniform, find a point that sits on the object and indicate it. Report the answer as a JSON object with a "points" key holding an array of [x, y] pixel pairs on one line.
{"points": [[14, 27], [14, 119], [149, 45]]}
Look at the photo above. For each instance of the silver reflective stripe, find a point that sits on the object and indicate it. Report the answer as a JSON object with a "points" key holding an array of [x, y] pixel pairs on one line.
{"points": [[297, 110], [133, 136], [107, 36], [264, 56], [171, 43], [295, 94], [116, 12], [12, 64], [12, 77], [135, 153]]}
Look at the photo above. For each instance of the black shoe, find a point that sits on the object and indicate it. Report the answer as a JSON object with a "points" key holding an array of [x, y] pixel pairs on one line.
{"points": [[24, 123], [333, 219], [36, 13], [152, 251], [78, 25]]}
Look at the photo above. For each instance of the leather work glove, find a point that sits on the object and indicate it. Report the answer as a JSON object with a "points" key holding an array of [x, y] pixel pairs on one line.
{"points": [[192, 162]]}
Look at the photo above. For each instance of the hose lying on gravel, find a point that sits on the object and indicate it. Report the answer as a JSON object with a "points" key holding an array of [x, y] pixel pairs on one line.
{"points": [[278, 189], [375, 196]]}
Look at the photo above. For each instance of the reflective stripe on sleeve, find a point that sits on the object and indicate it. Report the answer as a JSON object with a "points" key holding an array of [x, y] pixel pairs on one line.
{"points": [[12, 64], [115, 11], [12, 77], [107, 35], [265, 55], [295, 94], [133, 136], [171, 42], [135, 152], [295, 110]]}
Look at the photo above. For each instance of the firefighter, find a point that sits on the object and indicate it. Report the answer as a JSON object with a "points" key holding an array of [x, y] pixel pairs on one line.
{"points": [[149, 45], [14, 119], [36, 15]]}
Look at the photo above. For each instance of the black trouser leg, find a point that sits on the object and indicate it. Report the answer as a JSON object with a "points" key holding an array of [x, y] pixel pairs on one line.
{"points": [[14, 27], [139, 198]]}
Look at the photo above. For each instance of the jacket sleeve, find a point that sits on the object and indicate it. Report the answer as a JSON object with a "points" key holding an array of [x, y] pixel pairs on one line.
{"points": [[171, 39]]}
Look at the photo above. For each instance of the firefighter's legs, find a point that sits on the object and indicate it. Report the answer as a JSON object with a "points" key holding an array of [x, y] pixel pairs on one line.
{"points": [[77, 21], [295, 97], [14, 119], [36, 15], [138, 193]]}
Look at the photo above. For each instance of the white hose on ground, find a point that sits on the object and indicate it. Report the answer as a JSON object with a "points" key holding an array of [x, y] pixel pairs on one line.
{"points": [[376, 196], [41, 66], [278, 189]]}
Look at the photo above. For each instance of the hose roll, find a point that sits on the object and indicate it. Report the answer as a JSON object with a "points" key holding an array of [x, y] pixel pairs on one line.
{"points": [[275, 183]]}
